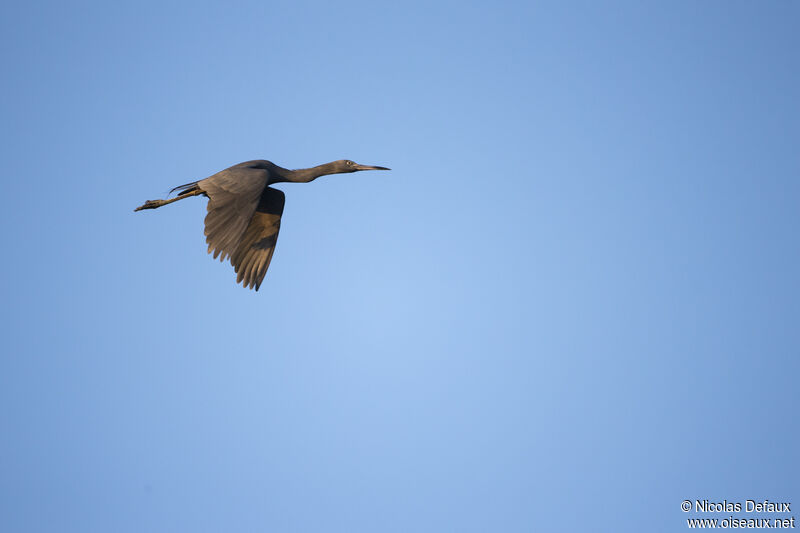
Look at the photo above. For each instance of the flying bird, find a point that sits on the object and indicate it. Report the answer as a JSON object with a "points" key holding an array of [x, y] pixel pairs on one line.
{"points": [[244, 212]]}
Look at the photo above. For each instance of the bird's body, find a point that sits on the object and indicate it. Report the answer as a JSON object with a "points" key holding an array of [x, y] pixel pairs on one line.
{"points": [[244, 212]]}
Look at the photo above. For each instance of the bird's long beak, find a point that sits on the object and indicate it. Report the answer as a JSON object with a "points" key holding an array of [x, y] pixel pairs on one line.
{"points": [[370, 167]]}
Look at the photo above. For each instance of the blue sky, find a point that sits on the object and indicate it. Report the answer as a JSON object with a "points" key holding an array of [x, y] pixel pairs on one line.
{"points": [[571, 305]]}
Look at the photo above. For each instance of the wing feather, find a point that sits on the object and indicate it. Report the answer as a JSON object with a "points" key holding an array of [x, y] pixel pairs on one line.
{"points": [[233, 196], [253, 254]]}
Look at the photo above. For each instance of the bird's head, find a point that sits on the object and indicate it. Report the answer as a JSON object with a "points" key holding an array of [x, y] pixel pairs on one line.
{"points": [[345, 165]]}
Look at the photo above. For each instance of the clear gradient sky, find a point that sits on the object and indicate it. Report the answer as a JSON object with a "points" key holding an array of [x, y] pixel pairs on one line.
{"points": [[571, 305]]}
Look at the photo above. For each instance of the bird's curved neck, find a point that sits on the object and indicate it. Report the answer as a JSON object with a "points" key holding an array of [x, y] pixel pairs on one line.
{"points": [[305, 175]]}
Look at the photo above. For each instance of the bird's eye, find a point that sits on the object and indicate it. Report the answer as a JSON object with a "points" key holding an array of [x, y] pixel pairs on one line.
{"points": [[350, 163]]}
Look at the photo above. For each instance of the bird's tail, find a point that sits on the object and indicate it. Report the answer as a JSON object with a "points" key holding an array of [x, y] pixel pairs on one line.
{"points": [[183, 189]]}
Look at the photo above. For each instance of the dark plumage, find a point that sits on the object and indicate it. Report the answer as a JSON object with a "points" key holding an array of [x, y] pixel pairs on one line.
{"points": [[244, 212]]}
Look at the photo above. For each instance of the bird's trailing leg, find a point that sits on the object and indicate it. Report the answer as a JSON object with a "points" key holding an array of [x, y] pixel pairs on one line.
{"points": [[153, 204]]}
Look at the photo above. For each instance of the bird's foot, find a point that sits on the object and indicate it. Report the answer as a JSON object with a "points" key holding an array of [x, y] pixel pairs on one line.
{"points": [[150, 204]]}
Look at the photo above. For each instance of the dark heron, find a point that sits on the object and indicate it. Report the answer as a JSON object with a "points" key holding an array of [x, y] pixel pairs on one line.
{"points": [[244, 212]]}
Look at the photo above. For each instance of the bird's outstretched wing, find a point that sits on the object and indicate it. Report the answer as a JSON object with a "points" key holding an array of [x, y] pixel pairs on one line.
{"points": [[233, 195], [252, 256]]}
